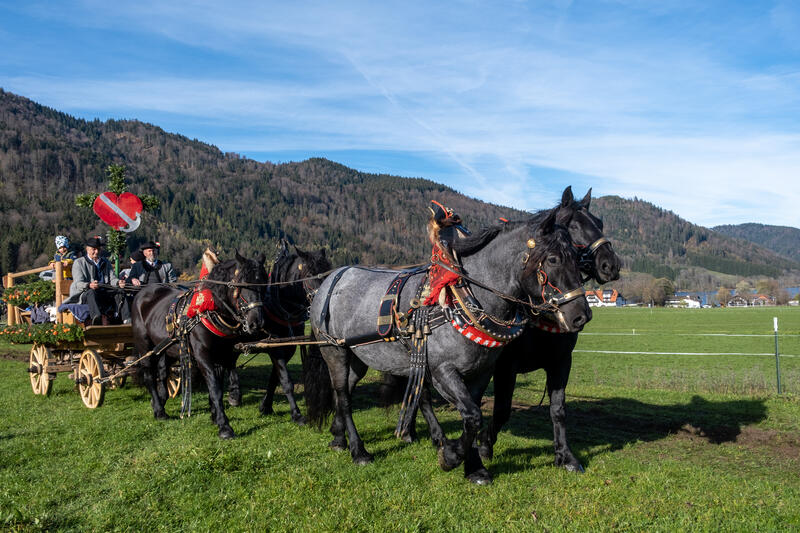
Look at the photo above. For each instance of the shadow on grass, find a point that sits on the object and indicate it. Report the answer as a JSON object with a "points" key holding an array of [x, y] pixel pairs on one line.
{"points": [[609, 424]]}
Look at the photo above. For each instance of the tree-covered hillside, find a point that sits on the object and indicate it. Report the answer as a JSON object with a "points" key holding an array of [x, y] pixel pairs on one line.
{"points": [[208, 197], [780, 239]]}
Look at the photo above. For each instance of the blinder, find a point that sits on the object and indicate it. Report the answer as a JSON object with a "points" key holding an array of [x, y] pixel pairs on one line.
{"points": [[586, 258]]}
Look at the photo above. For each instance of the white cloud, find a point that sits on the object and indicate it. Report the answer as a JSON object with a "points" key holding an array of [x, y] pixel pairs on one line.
{"points": [[658, 114]]}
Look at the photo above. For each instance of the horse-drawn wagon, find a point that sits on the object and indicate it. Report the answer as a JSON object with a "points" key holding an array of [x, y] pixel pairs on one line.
{"points": [[103, 357]]}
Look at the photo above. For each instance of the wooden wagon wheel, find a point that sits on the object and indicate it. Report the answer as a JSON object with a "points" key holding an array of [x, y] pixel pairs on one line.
{"points": [[40, 379], [174, 381], [90, 370]]}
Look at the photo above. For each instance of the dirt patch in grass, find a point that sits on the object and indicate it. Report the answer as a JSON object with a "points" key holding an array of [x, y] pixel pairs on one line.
{"points": [[776, 443], [14, 356]]}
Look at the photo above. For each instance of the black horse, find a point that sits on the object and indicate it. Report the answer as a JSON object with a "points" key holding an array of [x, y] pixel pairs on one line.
{"points": [[293, 281], [238, 315], [535, 260], [542, 344]]}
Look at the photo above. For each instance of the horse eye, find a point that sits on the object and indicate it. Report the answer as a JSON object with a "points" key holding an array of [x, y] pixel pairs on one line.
{"points": [[553, 260]]}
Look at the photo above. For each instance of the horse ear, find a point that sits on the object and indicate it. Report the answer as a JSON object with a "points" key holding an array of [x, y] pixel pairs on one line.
{"points": [[567, 198], [587, 199], [549, 223], [239, 258], [303, 255], [261, 259]]}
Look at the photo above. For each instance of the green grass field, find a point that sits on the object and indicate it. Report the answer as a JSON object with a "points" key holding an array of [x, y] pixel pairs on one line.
{"points": [[670, 441]]}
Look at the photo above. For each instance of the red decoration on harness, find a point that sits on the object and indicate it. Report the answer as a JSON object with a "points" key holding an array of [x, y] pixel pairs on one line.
{"points": [[440, 277], [202, 301], [211, 327], [477, 336]]}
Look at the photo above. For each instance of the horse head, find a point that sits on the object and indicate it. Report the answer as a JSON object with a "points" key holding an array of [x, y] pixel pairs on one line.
{"points": [[595, 254], [247, 283], [551, 277], [311, 264], [287, 302]]}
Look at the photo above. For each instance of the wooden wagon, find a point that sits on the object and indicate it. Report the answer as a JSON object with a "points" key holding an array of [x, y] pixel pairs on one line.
{"points": [[103, 359]]}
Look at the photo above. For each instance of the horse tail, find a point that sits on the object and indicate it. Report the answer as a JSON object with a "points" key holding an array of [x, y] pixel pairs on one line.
{"points": [[318, 390], [391, 389]]}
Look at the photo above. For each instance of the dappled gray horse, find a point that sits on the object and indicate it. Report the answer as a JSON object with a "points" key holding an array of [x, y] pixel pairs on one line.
{"points": [[534, 261]]}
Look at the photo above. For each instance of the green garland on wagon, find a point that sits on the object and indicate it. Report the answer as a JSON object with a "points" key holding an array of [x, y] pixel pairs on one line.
{"points": [[28, 294], [49, 333]]}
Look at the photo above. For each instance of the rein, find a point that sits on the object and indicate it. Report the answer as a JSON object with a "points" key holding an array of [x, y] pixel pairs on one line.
{"points": [[552, 303]]}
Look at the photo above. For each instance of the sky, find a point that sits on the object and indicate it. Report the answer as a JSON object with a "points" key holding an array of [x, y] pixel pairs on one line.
{"points": [[693, 106]]}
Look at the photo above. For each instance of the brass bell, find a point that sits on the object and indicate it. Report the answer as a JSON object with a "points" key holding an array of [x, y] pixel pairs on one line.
{"points": [[531, 243]]}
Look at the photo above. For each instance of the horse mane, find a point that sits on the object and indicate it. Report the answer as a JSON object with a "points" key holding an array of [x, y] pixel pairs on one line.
{"points": [[469, 245]]}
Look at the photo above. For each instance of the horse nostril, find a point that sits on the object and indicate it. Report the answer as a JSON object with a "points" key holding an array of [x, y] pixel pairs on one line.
{"points": [[579, 321]]}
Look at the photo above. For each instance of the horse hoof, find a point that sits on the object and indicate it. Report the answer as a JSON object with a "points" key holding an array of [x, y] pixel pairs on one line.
{"points": [[226, 433], [486, 451], [234, 402], [443, 463], [407, 438], [337, 445], [574, 468], [363, 459], [161, 416], [264, 410], [300, 420], [480, 477]]}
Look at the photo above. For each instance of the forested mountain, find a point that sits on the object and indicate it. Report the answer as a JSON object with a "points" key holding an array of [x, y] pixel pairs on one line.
{"points": [[47, 158], [784, 240], [659, 242]]}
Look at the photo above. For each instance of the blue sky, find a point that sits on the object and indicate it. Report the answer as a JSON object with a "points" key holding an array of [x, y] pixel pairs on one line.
{"points": [[694, 106]]}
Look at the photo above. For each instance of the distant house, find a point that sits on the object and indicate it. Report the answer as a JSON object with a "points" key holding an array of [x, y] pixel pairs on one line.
{"points": [[603, 298], [761, 299], [688, 302], [751, 300], [738, 301]]}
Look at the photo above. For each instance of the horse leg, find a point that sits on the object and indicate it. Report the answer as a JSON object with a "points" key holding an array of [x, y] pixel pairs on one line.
{"points": [[234, 388], [162, 372], [556, 383], [340, 363], [505, 379], [149, 368], [269, 397], [426, 407], [453, 452], [288, 389], [213, 377]]}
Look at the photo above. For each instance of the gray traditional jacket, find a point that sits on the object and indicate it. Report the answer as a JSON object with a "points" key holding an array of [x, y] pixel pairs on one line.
{"points": [[83, 273], [159, 273]]}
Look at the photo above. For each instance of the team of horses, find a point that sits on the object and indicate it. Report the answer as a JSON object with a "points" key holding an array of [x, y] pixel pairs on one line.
{"points": [[525, 276]]}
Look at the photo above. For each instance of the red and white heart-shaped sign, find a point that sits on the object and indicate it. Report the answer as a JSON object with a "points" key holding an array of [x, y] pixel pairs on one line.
{"points": [[121, 212]]}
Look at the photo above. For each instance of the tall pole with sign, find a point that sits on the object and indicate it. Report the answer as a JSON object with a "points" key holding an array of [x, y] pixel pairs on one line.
{"points": [[119, 209]]}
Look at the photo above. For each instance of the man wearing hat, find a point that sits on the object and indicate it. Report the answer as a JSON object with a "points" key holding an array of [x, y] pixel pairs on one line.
{"points": [[152, 269], [93, 282]]}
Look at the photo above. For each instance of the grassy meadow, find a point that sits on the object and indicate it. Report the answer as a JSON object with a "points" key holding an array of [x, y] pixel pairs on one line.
{"points": [[671, 440]]}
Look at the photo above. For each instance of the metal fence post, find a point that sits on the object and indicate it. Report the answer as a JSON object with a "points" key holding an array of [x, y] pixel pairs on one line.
{"points": [[777, 357]]}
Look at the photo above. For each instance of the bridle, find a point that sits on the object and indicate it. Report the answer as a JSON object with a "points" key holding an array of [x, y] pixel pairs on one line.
{"points": [[275, 309], [242, 306], [586, 258]]}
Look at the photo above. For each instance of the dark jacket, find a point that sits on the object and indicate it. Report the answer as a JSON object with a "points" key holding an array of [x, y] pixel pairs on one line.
{"points": [[146, 273]]}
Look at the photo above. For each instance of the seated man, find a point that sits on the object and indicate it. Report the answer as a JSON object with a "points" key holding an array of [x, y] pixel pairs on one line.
{"points": [[93, 284], [152, 269]]}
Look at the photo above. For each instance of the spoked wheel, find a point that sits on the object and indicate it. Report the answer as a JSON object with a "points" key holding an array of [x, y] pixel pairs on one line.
{"points": [[174, 381], [90, 371], [40, 379]]}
